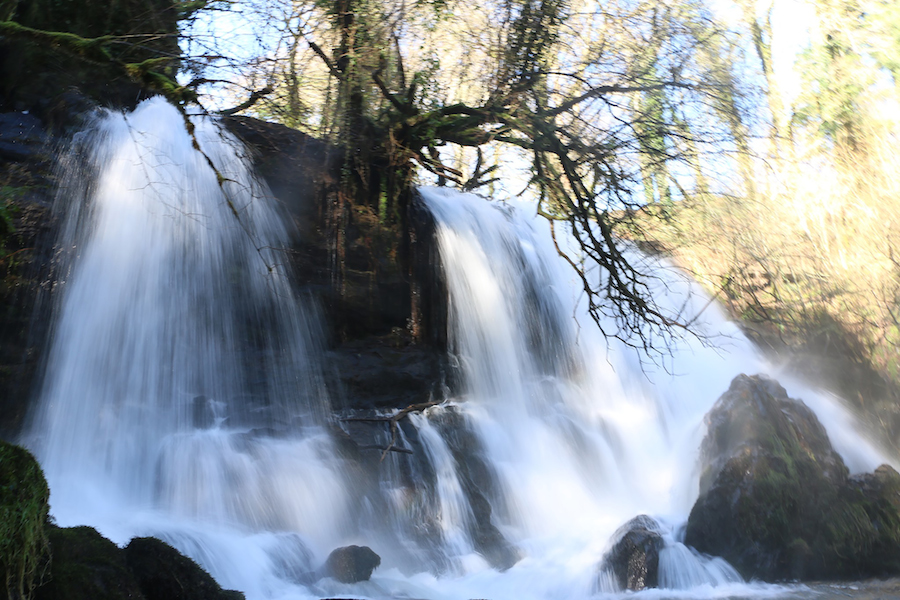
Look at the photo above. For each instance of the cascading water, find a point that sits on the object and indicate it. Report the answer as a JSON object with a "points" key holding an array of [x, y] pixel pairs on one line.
{"points": [[179, 346], [183, 396]]}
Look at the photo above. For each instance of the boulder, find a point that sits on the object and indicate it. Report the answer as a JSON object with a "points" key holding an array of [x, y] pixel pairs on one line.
{"points": [[776, 500], [86, 566], [351, 564], [23, 513], [163, 573], [633, 560]]}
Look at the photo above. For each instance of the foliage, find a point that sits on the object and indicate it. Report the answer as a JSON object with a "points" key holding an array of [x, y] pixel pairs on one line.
{"points": [[7, 209], [615, 106], [24, 497], [805, 253]]}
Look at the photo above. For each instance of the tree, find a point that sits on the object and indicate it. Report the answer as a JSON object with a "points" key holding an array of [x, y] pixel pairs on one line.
{"points": [[614, 105]]}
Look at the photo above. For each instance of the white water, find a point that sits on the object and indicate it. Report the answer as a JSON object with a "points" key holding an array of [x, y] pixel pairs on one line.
{"points": [[183, 399]]}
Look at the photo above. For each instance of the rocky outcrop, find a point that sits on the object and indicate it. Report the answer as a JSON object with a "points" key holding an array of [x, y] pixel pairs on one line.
{"points": [[350, 564], [163, 573], [378, 285], [24, 497], [776, 501], [26, 192], [86, 566], [633, 560], [40, 560], [372, 276], [480, 488]]}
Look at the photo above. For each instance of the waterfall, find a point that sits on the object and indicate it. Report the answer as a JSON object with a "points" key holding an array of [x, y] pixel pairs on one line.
{"points": [[184, 394], [182, 387]]}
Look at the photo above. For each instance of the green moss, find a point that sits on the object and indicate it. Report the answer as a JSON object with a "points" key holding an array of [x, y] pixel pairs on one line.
{"points": [[24, 498], [88, 48]]}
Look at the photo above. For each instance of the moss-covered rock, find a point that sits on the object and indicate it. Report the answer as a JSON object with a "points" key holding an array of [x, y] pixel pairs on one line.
{"points": [[86, 566], [163, 573], [26, 193], [39, 73], [24, 497], [776, 500]]}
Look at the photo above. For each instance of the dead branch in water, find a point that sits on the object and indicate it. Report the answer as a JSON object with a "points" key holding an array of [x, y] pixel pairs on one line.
{"points": [[393, 420]]}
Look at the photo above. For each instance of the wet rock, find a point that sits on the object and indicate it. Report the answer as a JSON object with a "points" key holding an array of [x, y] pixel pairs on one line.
{"points": [[386, 372], [22, 137], [86, 566], [776, 500], [633, 560], [24, 505], [163, 573], [351, 564], [479, 486], [373, 277]]}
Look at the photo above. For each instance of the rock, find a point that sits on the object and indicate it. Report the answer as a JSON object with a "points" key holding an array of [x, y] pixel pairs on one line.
{"points": [[22, 137], [351, 564], [776, 501], [633, 560], [163, 573], [38, 76], [479, 486], [756, 412], [86, 566], [24, 497], [385, 372], [374, 276]]}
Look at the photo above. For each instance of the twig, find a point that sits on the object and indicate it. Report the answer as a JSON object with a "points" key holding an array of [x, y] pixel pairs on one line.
{"points": [[253, 99], [393, 420]]}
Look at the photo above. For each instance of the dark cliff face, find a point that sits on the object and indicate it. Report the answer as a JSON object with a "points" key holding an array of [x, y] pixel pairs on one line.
{"points": [[378, 283], [384, 309], [27, 184], [375, 280]]}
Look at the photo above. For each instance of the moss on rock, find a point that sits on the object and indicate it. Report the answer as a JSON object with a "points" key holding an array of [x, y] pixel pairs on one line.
{"points": [[777, 501], [104, 49], [24, 498], [86, 566]]}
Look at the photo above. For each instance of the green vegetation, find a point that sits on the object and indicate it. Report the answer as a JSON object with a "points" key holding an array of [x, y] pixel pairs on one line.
{"points": [[24, 497], [604, 104], [804, 247]]}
